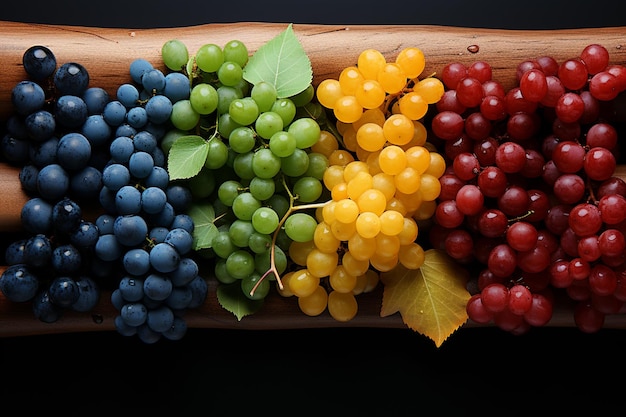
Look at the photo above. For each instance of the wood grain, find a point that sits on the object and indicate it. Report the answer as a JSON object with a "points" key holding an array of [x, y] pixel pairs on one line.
{"points": [[107, 54]]}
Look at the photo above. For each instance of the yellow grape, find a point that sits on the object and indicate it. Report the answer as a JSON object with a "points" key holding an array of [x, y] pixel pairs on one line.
{"points": [[321, 264], [430, 187], [413, 105], [387, 246], [349, 138], [342, 281], [298, 251], [412, 61], [342, 306], [398, 129], [328, 92], [347, 109], [346, 210], [408, 180], [368, 224], [285, 291], [370, 94], [392, 78], [384, 263], [361, 182], [420, 135], [409, 231], [411, 256], [349, 79], [366, 282], [426, 210], [411, 201], [370, 62], [372, 200], [394, 203], [339, 191], [392, 159], [343, 231], [319, 212], [302, 283], [326, 144], [362, 154], [391, 222], [340, 157], [315, 303], [324, 239], [370, 116], [361, 248], [328, 212], [431, 89], [418, 158], [333, 175], [384, 183], [437, 165], [370, 137], [353, 168], [354, 266], [372, 162]]}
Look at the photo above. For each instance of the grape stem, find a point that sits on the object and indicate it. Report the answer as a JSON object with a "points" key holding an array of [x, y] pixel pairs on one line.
{"points": [[292, 208]]}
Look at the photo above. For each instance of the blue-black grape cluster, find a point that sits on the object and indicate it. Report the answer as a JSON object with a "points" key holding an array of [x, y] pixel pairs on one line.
{"points": [[82, 151]]}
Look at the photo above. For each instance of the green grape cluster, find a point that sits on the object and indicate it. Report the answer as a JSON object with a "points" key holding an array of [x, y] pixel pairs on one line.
{"points": [[260, 174]]}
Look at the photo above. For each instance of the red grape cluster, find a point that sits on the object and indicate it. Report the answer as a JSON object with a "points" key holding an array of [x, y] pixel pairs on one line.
{"points": [[531, 196]]}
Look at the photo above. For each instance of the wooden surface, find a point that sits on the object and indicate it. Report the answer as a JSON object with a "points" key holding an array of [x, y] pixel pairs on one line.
{"points": [[107, 53]]}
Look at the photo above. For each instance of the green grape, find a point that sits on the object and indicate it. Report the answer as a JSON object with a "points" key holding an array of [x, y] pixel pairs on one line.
{"points": [[300, 227], [283, 240], [203, 98], [227, 191], [303, 97], [280, 204], [242, 165], [282, 143], [264, 93], [183, 116], [261, 291], [262, 188], [265, 164], [306, 130], [175, 54], [308, 189], [217, 155], [265, 220], [259, 242], [314, 110], [202, 184], [223, 245], [244, 205], [226, 124], [221, 273], [318, 164], [240, 264], [236, 51], [240, 232], [267, 124], [296, 164], [209, 57], [262, 262], [242, 139], [169, 138], [286, 109], [243, 110], [230, 73], [226, 94]]}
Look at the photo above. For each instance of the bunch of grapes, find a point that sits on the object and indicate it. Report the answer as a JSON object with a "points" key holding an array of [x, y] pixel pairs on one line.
{"points": [[381, 180], [102, 212], [530, 195]]}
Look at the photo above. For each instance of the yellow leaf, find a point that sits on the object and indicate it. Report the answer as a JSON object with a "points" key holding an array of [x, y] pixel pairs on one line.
{"points": [[431, 299]]}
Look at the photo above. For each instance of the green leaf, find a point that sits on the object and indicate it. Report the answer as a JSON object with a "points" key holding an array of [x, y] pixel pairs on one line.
{"points": [[203, 216], [187, 157], [232, 299], [282, 62]]}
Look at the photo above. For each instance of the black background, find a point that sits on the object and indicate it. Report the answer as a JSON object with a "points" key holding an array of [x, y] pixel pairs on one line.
{"points": [[346, 372]]}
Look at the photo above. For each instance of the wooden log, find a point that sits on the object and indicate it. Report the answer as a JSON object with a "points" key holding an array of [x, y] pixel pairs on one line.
{"points": [[107, 54]]}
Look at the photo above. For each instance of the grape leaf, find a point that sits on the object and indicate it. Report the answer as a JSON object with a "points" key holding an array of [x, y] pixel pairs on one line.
{"points": [[203, 216], [432, 299], [186, 157], [282, 62], [232, 299]]}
